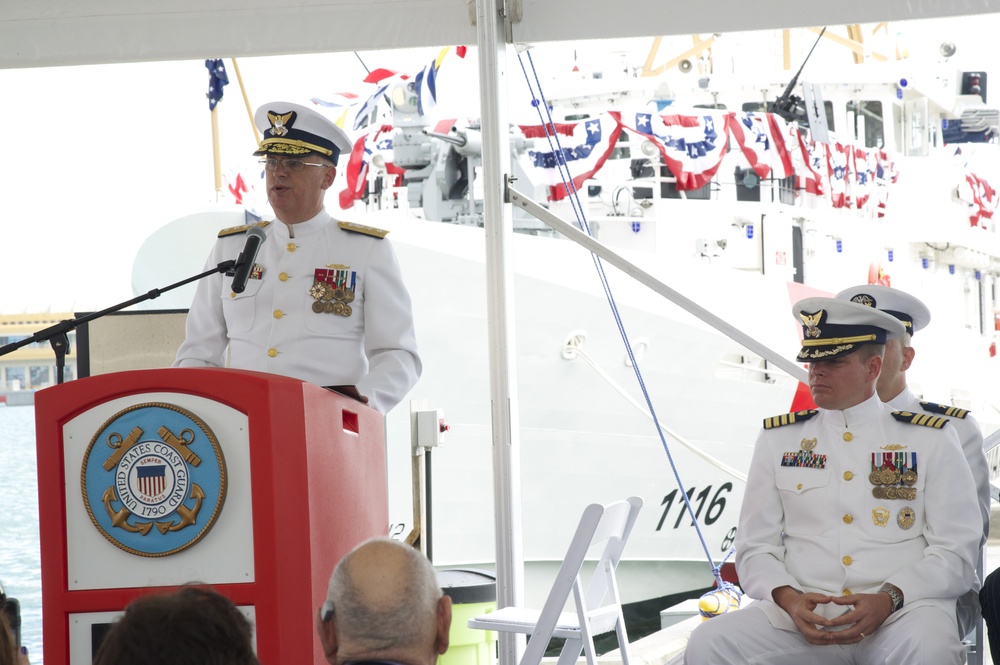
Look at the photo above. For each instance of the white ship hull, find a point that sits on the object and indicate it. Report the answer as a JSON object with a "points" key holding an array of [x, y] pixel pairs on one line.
{"points": [[581, 437], [582, 441]]}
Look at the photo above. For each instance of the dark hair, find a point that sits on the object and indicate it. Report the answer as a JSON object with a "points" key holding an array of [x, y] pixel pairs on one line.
{"points": [[192, 626], [8, 646]]}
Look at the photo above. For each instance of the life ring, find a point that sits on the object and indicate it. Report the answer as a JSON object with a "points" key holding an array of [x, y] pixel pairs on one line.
{"points": [[878, 276]]}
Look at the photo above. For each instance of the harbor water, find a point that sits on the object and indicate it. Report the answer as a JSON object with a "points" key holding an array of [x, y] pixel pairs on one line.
{"points": [[20, 560]]}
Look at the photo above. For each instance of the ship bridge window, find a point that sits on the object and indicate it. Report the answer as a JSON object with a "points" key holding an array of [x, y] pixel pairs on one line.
{"points": [[577, 116], [867, 120], [721, 107], [621, 149]]}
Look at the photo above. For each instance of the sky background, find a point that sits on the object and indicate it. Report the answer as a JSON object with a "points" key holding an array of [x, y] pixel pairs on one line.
{"points": [[99, 157]]}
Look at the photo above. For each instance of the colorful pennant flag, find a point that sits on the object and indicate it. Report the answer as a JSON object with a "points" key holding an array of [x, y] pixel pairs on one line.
{"points": [[362, 118], [357, 166], [217, 78]]}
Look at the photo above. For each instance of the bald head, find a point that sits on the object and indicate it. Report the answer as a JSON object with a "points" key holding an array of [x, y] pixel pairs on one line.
{"points": [[386, 605]]}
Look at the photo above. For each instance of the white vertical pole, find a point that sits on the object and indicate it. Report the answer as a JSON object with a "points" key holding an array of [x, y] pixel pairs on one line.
{"points": [[498, 221]]}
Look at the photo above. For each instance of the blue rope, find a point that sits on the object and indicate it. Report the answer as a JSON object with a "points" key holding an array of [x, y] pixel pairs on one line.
{"points": [[538, 101]]}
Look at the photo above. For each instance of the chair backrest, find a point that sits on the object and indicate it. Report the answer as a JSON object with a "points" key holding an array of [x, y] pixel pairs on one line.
{"points": [[611, 524]]}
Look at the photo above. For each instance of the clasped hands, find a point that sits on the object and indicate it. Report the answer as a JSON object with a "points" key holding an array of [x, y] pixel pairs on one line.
{"points": [[863, 614]]}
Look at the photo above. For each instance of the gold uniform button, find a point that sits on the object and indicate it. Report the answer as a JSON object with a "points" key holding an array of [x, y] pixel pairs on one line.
{"points": [[291, 246], [278, 314], [273, 353], [847, 560], [848, 518], [283, 277], [848, 436], [232, 294], [848, 475], [846, 592], [799, 486]]}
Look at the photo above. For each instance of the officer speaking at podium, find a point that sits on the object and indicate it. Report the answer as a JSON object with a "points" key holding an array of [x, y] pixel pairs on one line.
{"points": [[310, 297]]}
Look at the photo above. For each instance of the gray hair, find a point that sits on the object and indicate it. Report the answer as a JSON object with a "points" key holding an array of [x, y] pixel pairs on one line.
{"points": [[398, 618]]}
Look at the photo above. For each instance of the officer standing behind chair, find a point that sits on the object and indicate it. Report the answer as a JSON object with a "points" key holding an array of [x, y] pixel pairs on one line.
{"points": [[325, 301], [893, 390], [860, 526], [892, 387]]}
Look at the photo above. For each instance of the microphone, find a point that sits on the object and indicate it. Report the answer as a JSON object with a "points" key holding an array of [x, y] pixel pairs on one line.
{"points": [[244, 263]]}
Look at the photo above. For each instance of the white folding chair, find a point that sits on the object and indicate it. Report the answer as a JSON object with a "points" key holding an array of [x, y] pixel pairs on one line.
{"points": [[598, 610]]}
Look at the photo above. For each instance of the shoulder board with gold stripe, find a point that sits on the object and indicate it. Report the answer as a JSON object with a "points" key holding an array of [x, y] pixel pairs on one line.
{"points": [[789, 418], [950, 411], [924, 419], [243, 228], [361, 228]]}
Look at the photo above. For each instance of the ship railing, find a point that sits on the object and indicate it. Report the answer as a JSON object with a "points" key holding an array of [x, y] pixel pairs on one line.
{"points": [[571, 232], [574, 349]]}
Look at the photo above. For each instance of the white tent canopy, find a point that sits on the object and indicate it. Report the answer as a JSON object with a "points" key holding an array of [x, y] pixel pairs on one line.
{"points": [[47, 33]]}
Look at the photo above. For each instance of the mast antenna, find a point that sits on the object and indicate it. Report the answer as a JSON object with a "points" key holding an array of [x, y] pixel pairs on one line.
{"points": [[789, 106]]}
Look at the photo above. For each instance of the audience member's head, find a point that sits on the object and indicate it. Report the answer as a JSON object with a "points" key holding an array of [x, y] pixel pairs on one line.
{"points": [[384, 603], [8, 647], [192, 626]]}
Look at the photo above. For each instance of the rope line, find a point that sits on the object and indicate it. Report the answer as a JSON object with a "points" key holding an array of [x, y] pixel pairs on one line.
{"points": [[538, 101], [722, 466]]}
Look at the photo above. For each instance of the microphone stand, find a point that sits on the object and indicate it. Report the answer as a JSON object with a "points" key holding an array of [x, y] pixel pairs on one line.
{"points": [[58, 334]]}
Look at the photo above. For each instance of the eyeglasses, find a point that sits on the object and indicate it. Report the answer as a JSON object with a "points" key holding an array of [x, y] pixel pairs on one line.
{"points": [[292, 164]]}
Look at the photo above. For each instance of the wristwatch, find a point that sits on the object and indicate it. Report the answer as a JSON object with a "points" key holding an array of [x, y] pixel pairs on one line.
{"points": [[894, 594]]}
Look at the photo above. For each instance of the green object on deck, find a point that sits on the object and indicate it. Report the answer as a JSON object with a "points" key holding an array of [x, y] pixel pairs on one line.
{"points": [[472, 592]]}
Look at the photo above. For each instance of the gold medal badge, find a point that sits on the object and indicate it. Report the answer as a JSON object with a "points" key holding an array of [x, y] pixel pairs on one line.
{"points": [[811, 323], [880, 516], [906, 517], [333, 288], [808, 444]]}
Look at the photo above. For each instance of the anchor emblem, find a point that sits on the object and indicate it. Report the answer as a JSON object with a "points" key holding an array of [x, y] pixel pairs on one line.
{"points": [[156, 479]]}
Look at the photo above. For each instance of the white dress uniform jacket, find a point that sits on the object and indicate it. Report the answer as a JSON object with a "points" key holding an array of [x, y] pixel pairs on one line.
{"points": [[272, 326], [820, 528], [971, 436]]}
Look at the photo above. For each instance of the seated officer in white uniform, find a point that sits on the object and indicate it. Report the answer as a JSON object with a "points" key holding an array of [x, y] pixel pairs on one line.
{"points": [[860, 526], [893, 390], [325, 301]]}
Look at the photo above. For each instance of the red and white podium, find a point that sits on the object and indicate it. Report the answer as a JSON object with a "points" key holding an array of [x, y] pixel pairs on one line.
{"points": [[253, 483]]}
